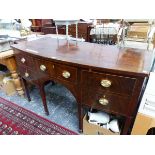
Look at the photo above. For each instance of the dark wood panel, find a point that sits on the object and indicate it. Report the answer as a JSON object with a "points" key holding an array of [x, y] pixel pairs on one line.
{"points": [[116, 104], [66, 73], [83, 30], [119, 84], [52, 30], [28, 74], [44, 67], [24, 60], [49, 30]]}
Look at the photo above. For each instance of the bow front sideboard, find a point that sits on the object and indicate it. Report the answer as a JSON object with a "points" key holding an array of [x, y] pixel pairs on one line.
{"points": [[107, 78]]}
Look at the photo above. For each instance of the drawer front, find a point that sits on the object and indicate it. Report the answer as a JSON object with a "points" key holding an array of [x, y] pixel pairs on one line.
{"points": [[25, 60], [100, 82], [44, 68], [66, 73], [107, 101], [28, 74]]}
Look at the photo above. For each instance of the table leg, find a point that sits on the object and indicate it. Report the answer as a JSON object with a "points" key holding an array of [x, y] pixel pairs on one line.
{"points": [[80, 113], [43, 96], [26, 90], [127, 125], [11, 65]]}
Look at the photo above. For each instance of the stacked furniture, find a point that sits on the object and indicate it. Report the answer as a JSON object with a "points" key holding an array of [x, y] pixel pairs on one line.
{"points": [[139, 35]]}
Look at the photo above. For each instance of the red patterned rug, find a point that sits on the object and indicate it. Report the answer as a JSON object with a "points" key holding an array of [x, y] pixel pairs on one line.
{"points": [[15, 120]]}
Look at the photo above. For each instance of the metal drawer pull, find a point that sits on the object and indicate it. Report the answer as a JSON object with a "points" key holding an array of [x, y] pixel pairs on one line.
{"points": [[23, 60], [105, 83], [43, 67], [26, 74], [66, 74], [103, 101]]}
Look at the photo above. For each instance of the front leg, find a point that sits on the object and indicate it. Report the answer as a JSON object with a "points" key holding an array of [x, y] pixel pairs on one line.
{"points": [[80, 115], [26, 89], [43, 96]]}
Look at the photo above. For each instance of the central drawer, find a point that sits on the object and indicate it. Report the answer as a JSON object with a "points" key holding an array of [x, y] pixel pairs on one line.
{"points": [[99, 82], [44, 68], [66, 73]]}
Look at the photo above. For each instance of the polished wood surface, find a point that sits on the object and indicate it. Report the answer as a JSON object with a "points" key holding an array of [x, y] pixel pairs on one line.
{"points": [[135, 61], [93, 73], [7, 58]]}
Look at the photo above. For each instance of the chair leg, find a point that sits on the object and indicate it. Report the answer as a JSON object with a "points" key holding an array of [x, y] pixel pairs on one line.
{"points": [[43, 96], [26, 89]]}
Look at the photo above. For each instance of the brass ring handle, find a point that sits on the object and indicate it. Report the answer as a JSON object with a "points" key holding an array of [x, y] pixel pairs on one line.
{"points": [[105, 83], [66, 74], [23, 60], [26, 74], [103, 101], [42, 67]]}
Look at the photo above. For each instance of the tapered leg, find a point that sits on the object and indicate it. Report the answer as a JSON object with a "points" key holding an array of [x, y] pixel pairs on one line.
{"points": [[53, 83], [26, 89], [127, 126], [43, 96], [80, 114]]}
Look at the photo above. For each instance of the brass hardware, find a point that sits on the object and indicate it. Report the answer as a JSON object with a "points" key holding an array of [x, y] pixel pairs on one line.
{"points": [[26, 74], [66, 74], [23, 60], [42, 67], [105, 83], [103, 101]]}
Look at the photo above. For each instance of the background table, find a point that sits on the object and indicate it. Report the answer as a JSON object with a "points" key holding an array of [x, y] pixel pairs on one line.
{"points": [[7, 59]]}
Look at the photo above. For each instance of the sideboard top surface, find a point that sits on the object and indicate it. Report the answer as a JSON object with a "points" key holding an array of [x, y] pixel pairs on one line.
{"points": [[90, 54]]}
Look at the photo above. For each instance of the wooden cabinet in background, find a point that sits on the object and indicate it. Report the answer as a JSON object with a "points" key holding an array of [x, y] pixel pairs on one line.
{"points": [[36, 25], [83, 30]]}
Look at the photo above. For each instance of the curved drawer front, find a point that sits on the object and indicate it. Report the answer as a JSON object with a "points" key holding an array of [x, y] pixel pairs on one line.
{"points": [[108, 102], [107, 82], [24, 60], [66, 73], [28, 74], [44, 68]]}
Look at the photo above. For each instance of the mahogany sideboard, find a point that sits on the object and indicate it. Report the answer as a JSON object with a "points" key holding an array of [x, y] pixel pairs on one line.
{"points": [[107, 78]]}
